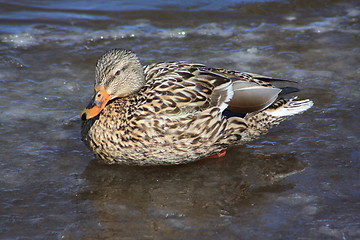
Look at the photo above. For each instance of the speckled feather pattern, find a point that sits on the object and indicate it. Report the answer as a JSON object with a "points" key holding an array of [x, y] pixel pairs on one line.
{"points": [[177, 117]]}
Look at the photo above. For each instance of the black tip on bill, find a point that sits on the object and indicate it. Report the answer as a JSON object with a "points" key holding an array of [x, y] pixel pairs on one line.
{"points": [[83, 116]]}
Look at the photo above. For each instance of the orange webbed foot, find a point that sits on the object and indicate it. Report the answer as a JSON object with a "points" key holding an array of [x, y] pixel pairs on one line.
{"points": [[218, 155]]}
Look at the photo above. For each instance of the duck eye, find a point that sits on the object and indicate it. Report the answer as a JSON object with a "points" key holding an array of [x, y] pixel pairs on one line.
{"points": [[117, 73]]}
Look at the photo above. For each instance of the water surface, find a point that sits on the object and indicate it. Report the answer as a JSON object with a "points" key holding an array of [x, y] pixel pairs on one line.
{"points": [[301, 181]]}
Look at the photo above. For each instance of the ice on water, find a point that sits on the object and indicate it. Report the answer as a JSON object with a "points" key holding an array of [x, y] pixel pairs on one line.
{"points": [[301, 180]]}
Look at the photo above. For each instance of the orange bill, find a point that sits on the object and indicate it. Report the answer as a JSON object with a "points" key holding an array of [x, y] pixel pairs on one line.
{"points": [[97, 103]]}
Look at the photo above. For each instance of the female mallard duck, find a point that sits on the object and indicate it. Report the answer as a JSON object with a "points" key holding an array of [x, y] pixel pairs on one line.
{"points": [[176, 112]]}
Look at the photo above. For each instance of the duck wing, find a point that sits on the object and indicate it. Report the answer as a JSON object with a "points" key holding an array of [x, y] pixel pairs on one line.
{"points": [[253, 92], [182, 87]]}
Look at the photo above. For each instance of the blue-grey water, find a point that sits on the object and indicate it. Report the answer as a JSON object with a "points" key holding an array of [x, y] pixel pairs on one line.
{"points": [[300, 181]]}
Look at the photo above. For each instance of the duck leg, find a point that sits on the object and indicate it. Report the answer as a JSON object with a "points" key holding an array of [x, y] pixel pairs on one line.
{"points": [[218, 155]]}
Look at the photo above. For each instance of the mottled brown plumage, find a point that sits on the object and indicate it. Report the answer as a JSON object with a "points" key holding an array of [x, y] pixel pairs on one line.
{"points": [[173, 113]]}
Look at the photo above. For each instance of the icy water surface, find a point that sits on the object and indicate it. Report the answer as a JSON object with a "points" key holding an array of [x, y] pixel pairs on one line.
{"points": [[301, 181]]}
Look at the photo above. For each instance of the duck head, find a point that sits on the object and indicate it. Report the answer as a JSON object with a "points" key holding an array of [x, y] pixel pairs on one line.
{"points": [[118, 74]]}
